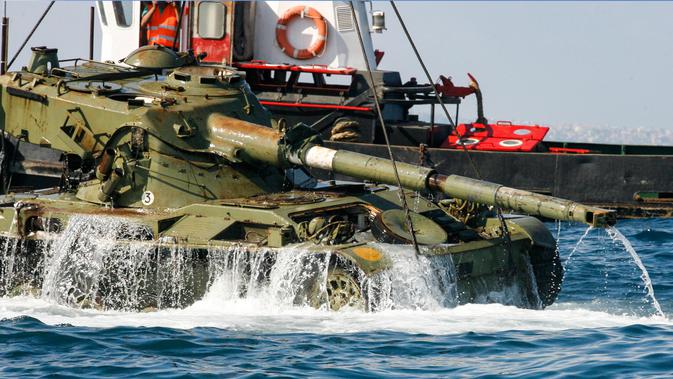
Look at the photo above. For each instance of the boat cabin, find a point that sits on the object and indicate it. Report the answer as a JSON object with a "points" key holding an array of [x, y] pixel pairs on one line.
{"points": [[229, 31]]}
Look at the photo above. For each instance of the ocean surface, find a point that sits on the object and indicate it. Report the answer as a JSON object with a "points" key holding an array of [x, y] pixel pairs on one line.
{"points": [[605, 323]]}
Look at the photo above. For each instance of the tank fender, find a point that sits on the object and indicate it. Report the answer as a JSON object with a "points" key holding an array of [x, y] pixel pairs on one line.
{"points": [[534, 229], [367, 258]]}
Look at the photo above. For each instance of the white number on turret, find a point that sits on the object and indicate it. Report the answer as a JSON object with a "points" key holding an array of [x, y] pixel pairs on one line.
{"points": [[148, 198]]}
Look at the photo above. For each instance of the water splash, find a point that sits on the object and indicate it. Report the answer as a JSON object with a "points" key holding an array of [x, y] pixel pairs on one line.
{"points": [[298, 278], [616, 235], [430, 283], [577, 245], [285, 278], [93, 257], [107, 262], [412, 282]]}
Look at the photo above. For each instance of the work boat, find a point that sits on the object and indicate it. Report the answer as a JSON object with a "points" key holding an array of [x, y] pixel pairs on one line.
{"points": [[172, 172], [305, 62]]}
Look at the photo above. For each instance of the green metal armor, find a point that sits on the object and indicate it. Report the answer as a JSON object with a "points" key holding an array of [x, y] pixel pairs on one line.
{"points": [[187, 151]]}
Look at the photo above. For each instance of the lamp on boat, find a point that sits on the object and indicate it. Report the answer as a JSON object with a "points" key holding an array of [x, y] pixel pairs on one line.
{"points": [[378, 21]]}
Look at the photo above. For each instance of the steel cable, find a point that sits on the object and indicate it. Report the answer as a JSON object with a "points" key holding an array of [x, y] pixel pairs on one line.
{"points": [[44, 14], [403, 197], [501, 218]]}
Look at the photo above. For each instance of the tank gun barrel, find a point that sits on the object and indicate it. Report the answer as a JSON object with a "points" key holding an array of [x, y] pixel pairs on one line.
{"points": [[242, 141]]}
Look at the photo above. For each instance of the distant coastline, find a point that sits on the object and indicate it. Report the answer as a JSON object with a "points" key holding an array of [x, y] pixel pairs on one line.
{"points": [[638, 135]]}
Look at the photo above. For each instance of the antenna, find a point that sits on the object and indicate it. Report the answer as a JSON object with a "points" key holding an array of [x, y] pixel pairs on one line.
{"points": [[5, 40]]}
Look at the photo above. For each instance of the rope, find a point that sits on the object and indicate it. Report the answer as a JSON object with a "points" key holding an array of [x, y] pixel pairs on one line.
{"points": [[501, 218], [403, 198]]}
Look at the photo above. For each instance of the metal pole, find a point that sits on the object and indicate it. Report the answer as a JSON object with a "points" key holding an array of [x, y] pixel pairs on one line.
{"points": [[177, 31], [432, 125], [5, 45], [92, 16], [30, 34]]}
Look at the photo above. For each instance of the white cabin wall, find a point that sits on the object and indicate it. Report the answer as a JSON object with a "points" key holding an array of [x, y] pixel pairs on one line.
{"points": [[118, 41], [342, 50]]}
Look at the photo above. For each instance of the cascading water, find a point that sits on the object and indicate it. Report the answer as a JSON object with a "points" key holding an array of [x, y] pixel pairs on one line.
{"points": [[297, 277], [577, 245], [412, 282], [430, 282], [109, 262], [616, 235], [93, 256], [285, 278]]}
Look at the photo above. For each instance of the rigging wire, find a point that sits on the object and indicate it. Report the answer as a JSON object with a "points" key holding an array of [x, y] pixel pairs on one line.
{"points": [[501, 218], [31, 33], [437, 96], [403, 197]]}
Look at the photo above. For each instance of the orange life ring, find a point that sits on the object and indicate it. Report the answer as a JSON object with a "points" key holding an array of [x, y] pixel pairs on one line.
{"points": [[320, 39]]}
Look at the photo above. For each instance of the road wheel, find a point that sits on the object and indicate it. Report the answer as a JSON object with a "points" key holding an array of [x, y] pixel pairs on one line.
{"points": [[343, 291]]}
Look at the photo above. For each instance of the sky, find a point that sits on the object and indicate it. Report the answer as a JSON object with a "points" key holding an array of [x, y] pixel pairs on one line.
{"points": [[563, 64]]}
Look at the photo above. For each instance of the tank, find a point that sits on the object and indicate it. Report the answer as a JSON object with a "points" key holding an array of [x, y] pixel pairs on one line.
{"points": [[183, 167]]}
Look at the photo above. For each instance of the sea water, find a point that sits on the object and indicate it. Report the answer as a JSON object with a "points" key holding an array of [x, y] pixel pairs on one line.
{"points": [[605, 322]]}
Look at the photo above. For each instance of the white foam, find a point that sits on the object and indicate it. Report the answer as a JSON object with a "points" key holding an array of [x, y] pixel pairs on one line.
{"points": [[253, 315]]}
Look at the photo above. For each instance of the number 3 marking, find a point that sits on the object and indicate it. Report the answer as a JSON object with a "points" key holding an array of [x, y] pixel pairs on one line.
{"points": [[148, 198]]}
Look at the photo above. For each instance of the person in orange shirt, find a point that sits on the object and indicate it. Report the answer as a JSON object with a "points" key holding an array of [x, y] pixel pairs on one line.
{"points": [[160, 20]]}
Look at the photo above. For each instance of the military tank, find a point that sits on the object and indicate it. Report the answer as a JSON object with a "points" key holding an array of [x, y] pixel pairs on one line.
{"points": [[187, 154]]}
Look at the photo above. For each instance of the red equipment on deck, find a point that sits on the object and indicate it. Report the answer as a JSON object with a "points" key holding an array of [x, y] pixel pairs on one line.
{"points": [[502, 136]]}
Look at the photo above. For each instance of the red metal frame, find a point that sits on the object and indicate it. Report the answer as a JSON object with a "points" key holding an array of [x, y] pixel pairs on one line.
{"points": [[316, 106], [568, 150], [315, 69]]}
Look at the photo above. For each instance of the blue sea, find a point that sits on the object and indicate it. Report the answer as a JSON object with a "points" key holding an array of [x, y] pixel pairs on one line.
{"points": [[603, 324]]}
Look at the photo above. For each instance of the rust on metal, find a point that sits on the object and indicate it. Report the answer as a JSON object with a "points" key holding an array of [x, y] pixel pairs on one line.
{"points": [[104, 168]]}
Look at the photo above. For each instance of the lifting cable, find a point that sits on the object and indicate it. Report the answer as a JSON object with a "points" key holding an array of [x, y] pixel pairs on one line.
{"points": [[501, 218], [403, 197], [30, 34]]}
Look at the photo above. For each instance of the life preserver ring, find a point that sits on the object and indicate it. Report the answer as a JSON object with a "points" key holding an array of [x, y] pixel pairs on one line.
{"points": [[320, 39]]}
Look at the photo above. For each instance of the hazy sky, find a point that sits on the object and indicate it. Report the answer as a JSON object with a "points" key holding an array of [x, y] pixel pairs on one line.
{"points": [[557, 63]]}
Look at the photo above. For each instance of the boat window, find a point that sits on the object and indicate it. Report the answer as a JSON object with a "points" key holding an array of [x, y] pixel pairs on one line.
{"points": [[123, 11], [101, 11], [211, 19]]}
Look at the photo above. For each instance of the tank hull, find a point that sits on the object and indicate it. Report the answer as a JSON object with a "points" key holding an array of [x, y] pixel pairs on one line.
{"points": [[111, 259]]}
